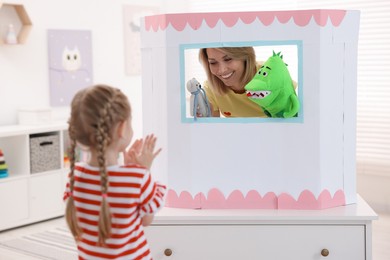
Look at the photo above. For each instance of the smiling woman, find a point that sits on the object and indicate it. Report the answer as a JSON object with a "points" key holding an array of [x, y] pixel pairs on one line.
{"points": [[227, 70]]}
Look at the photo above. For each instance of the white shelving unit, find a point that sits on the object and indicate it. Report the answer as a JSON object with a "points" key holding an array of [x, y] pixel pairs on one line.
{"points": [[25, 197], [336, 233]]}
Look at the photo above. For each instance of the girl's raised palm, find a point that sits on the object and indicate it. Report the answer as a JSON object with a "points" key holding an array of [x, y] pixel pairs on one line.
{"points": [[142, 151]]}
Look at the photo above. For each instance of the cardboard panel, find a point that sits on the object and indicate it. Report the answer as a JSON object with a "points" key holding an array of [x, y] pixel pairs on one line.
{"points": [[306, 163]]}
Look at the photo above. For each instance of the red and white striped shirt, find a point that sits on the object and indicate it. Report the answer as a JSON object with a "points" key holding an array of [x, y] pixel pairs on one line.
{"points": [[131, 195]]}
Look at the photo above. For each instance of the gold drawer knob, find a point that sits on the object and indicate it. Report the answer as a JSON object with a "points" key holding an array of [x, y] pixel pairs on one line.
{"points": [[325, 252], [168, 252]]}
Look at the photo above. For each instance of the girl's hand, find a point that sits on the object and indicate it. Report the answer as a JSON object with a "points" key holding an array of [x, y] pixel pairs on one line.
{"points": [[142, 152]]}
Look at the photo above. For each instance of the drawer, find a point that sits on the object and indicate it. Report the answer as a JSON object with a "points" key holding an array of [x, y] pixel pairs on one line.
{"points": [[268, 242], [13, 203], [46, 193]]}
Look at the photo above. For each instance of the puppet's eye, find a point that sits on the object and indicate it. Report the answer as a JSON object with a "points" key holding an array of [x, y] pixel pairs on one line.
{"points": [[265, 74]]}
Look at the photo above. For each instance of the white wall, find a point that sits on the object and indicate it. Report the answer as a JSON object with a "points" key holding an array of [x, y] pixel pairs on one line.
{"points": [[375, 190], [24, 74]]}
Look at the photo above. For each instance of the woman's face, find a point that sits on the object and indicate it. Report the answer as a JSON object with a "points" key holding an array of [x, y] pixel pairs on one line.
{"points": [[227, 69]]}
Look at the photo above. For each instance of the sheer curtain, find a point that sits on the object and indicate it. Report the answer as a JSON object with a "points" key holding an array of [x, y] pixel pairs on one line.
{"points": [[373, 104]]}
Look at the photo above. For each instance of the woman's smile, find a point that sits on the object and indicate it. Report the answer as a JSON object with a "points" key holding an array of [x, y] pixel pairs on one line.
{"points": [[227, 76]]}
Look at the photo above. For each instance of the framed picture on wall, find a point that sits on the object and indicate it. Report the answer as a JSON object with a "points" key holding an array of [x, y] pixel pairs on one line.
{"points": [[70, 64]]}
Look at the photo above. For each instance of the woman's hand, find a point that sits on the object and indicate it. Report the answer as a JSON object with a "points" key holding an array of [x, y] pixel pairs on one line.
{"points": [[142, 152]]}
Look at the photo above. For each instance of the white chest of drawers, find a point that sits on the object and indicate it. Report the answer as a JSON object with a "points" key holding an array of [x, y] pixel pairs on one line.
{"points": [[342, 233]]}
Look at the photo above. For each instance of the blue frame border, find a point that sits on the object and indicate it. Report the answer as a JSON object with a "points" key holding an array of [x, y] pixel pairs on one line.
{"points": [[185, 119]]}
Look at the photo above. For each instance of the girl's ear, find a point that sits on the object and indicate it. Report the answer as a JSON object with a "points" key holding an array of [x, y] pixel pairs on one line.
{"points": [[121, 129]]}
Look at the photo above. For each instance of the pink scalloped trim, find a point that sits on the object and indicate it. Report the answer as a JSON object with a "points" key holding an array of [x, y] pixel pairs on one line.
{"points": [[300, 17], [253, 200], [307, 200]]}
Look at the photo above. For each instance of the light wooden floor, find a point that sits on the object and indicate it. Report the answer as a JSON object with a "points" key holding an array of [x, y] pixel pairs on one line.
{"points": [[381, 236]]}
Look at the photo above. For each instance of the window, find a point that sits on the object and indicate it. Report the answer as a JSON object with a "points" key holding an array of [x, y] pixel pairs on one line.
{"points": [[291, 52]]}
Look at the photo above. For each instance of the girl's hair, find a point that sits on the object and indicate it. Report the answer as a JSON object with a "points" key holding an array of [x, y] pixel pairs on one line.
{"points": [[247, 54], [95, 112]]}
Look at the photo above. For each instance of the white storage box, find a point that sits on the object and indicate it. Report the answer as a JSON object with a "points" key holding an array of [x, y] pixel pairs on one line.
{"points": [[34, 116]]}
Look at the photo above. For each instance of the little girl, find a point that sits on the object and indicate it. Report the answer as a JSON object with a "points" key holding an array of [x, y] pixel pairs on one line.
{"points": [[108, 204]]}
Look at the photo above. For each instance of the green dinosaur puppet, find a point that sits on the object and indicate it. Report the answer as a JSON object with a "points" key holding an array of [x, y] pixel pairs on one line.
{"points": [[273, 90]]}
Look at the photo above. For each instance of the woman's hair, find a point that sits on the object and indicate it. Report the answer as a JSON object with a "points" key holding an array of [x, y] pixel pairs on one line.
{"points": [[247, 54], [95, 113]]}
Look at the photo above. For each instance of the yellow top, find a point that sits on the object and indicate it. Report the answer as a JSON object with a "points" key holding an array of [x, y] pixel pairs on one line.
{"points": [[231, 104]]}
